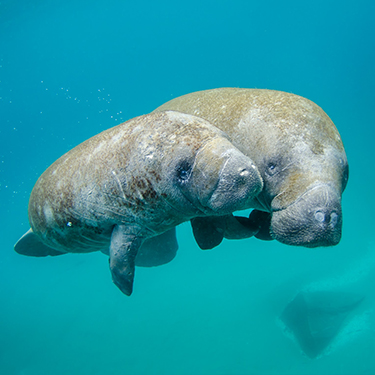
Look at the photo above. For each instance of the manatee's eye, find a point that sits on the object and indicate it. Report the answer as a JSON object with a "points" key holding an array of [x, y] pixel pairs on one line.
{"points": [[271, 168], [183, 171]]}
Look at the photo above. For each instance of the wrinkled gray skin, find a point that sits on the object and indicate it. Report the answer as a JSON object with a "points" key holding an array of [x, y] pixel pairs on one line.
{"points": [[298, 152], [128, 187]]}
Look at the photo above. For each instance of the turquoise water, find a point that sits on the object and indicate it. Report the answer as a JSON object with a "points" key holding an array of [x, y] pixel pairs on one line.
{"points": [[70, 69]]}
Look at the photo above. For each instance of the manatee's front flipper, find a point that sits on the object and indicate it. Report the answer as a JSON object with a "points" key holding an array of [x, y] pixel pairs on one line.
{"points": [[263, 221], [158, 250], [31, 245], [239, 227], [210, 231], [125, 243]]}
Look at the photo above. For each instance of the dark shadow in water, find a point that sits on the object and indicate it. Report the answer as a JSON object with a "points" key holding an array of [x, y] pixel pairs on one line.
{"points": [[316, 318]]}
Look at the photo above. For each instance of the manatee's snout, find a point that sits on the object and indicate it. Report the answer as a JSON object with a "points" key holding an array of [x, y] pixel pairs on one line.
{"points": [[239, 181], [223, 179], [314, 219]]}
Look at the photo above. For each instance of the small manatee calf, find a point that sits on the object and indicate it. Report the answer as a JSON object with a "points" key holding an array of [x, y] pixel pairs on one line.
{"points": [[297, 151], [126, 189]]}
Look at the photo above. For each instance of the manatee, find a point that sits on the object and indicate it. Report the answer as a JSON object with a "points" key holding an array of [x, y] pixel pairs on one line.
{"points": [[316, 318], [299, 154], [128, 187]]}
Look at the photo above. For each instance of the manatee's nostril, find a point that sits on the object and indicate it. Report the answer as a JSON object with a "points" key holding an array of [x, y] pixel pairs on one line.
{"points": [[245, 172], [319, 216], [328, 218], [334, 219]]}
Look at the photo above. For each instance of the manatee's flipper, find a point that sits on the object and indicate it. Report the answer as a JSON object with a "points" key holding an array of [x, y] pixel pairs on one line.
{"points": [[125, 243], [316, 318], [208, 231], [158, 250], [239, 227], [31, 245], [262, 220]]}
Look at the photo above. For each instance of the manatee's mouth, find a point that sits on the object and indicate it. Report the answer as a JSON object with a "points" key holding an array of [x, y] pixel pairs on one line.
{"points": [[314, 219]]}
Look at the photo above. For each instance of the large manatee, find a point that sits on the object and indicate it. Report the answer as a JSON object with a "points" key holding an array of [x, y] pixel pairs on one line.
{"points": [[135, 182], [299, 154]]}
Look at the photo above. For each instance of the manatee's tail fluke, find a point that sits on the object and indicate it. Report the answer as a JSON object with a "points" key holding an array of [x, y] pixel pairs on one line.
{"points": [[31, 245]]}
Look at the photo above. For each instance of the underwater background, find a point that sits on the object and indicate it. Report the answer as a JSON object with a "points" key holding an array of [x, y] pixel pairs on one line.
{"points": [[70, 69]]}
